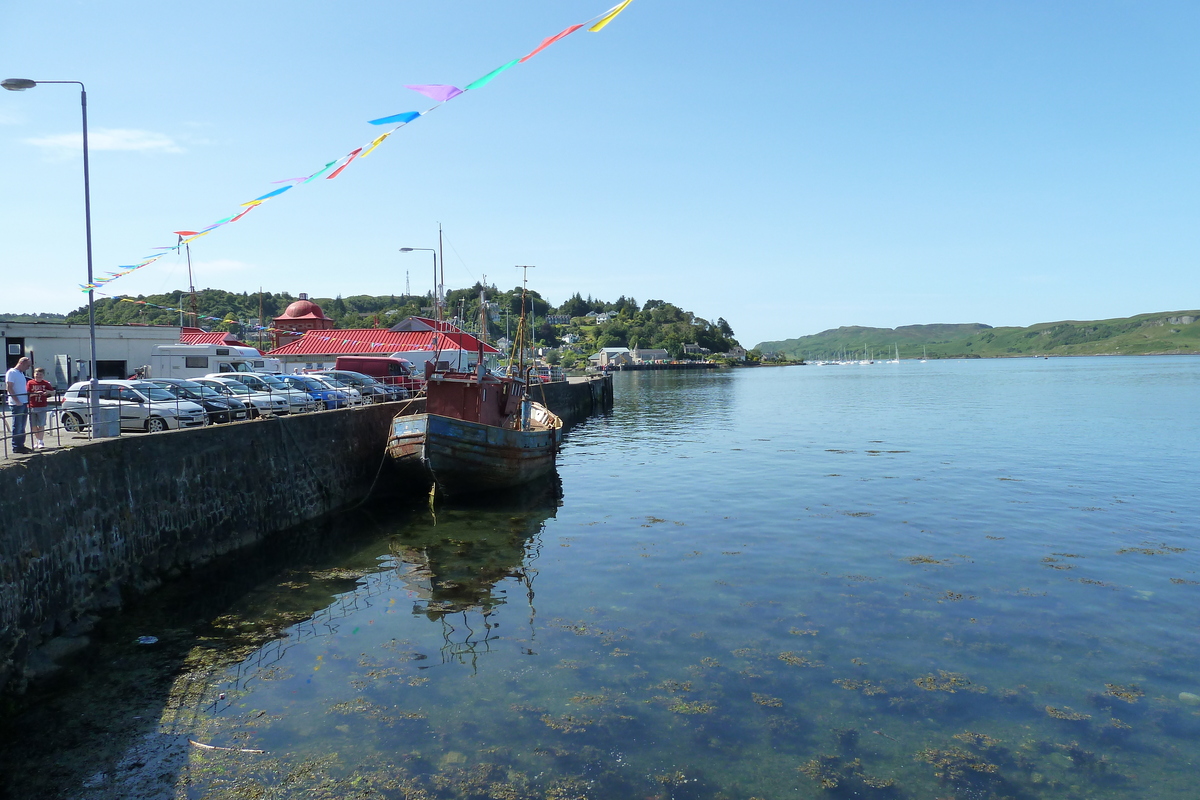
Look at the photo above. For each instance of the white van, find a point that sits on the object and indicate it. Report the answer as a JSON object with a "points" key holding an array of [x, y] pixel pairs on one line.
{"points": [[197, 360]]}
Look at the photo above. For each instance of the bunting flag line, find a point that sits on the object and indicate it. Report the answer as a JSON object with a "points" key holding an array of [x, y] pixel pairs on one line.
{"points": [[378, 140], [439, 92], [349, 158], [436, 91], [609, 16], [406, 117], [486, 79], [549, 41]]}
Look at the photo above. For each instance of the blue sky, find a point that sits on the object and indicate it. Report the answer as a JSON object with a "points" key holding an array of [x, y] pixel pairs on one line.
{"points": [[789, 166]]}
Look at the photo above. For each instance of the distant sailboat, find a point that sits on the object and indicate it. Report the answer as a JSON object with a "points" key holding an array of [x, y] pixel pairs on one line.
{"points": [[896, 360], [923, 358]]}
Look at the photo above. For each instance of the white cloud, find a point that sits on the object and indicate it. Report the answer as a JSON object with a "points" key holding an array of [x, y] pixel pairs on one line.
{"points": [[108, 139]]}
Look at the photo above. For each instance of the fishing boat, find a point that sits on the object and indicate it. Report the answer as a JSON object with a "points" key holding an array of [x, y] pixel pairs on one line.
{"points": [[480, 431]]}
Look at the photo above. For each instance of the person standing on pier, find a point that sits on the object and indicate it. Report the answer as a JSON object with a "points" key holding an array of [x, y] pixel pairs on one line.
{"points": [[18, 403], [39, 390]]}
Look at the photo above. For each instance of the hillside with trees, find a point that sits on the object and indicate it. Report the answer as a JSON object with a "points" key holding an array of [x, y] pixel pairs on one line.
{"points": [[586, 324], [1167, 332]]}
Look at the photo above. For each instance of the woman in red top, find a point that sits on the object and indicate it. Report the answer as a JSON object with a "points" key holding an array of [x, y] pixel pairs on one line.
{"points": [[40, 391]]}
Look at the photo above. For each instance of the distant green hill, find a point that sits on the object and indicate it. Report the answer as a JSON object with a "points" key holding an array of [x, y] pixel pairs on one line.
{"points": [[41, 317], [1145, 334]]}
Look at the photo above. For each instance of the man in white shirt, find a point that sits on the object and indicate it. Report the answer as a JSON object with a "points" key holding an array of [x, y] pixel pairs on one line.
{"points": [[15, 384]]}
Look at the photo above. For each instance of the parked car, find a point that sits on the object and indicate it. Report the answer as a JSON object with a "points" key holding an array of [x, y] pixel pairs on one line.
{"points": [[354, 396], [141, 406], [391, 370], [327, 396], [220, 408], [548, 374], [298, 400], [372, 390], [260, 402]]}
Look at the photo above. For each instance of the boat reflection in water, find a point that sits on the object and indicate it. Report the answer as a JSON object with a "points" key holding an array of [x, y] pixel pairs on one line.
{"points": [[453, 564]]}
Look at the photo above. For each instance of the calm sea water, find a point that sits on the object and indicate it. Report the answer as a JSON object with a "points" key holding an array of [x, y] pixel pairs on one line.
{"points": [[968, 579]]}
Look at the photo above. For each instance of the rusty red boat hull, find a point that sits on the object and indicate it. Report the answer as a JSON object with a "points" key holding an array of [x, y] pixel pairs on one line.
{"points": [[467, 457]]}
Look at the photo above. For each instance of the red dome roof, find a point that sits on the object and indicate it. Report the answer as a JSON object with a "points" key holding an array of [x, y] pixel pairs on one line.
{"points": [[304, 308]]}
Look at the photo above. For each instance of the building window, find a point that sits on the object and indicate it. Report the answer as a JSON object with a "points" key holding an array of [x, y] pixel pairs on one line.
{"points": [[111, 369]]}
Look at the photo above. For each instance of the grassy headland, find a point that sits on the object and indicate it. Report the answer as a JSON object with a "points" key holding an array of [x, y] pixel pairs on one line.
{"points": [[1145, 334]]}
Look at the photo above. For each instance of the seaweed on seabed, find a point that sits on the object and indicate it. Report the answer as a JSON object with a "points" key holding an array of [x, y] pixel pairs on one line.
{"points": [[1084, 760], [943, 695], [680, 785], [843, 777], [1116, 695], [967, 772]]}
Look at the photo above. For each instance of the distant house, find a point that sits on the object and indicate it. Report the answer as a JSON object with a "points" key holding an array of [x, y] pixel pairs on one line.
{"points": [[558, 319], [735, 354], [650, 354], [695, 350], [611, 357]]}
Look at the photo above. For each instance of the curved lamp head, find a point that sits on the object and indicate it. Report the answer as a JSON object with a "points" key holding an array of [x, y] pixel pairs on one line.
{"points": [[17, 84], [406, 249]]}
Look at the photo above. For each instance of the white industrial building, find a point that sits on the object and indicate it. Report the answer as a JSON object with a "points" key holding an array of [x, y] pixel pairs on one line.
{"points": [[64, 350]]}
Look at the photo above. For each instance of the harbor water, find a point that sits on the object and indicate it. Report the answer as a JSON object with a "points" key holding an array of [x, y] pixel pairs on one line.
{"points": [[952, 579]]}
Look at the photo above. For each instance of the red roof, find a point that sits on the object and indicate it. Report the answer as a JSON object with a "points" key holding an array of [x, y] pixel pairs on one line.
{"points": [[198, 336], [303, 309], [379, 341]]}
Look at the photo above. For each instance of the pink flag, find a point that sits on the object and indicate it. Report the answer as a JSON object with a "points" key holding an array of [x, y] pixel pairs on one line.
{"points": [[338, 171], [549, 41], [436, 91]]}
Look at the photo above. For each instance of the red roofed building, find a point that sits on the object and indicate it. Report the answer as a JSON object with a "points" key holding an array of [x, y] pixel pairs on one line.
{"points": [[322, 347], [301, 316], [200, 336]]}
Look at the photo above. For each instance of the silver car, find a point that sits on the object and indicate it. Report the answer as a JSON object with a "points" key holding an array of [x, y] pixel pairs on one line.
{"points": [[141, 406], [299, 401], [261, 402]]}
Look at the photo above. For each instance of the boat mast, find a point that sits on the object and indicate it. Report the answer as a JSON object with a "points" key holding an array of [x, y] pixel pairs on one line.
{"points": [[194, 309], [441, 287], [482, 311], [522, 331]]}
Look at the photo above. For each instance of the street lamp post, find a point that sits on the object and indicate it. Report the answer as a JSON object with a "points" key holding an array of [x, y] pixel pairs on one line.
{"points": [[20, 85], [436, 304]]}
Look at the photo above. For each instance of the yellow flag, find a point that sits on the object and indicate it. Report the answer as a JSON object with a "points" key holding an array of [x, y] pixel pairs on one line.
{"points": [[607, 18], [378, 141]]}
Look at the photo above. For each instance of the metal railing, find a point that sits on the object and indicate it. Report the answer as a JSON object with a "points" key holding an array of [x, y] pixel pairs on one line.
{"points": [[74, 421], [52, 430]]}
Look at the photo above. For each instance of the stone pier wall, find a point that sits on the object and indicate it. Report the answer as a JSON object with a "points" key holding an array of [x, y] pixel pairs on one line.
{"points": [[81, 527]]}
